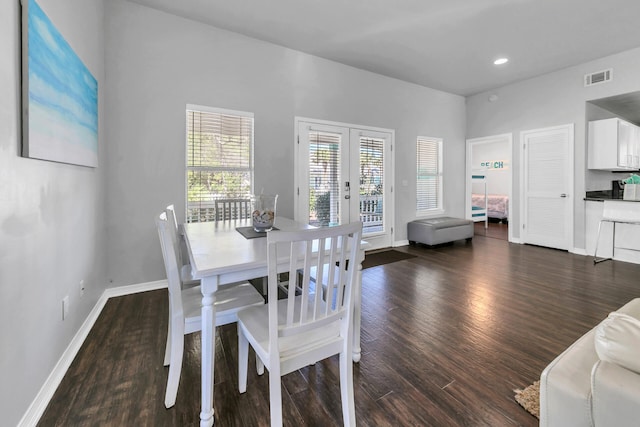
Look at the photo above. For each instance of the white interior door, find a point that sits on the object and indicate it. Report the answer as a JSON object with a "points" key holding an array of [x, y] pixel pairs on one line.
{"points": [[344, 174], [548, 187]]}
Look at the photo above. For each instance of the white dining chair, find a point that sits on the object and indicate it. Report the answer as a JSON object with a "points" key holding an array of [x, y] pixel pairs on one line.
{"points": [[232, 209], [185, 306], [307, 326]]}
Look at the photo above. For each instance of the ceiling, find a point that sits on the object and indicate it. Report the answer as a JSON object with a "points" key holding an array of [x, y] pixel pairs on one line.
{"points": [[448, 45], [626, 105]]}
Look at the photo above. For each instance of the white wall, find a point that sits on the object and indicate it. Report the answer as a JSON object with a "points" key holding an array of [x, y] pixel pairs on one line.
{"points": [[553, 99], [157, 63], [51, 220], [497, 178]]}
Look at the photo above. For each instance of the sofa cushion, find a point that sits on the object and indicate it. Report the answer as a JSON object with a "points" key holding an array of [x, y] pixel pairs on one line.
{"points": [[617, 340]]}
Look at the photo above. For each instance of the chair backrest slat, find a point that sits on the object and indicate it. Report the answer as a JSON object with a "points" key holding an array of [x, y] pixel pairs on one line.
{"points": [[232, 209], [293, 282], [319, 279], [335, 277]]}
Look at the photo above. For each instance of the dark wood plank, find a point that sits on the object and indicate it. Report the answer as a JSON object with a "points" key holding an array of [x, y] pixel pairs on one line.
{"points": [[446, 337], [496, 230]]}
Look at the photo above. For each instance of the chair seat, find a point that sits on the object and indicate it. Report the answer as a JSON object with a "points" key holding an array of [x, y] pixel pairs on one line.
{"points": [[320, 340], [229, 300]]}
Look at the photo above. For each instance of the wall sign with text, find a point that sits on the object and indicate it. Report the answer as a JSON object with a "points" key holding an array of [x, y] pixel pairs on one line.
{"points": [[494, 164]]}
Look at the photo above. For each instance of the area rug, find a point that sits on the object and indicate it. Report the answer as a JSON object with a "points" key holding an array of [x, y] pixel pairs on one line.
{"points": [[529, 398], [388, 256]]}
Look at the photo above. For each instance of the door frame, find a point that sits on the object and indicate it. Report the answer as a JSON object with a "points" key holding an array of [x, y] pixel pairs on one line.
{"points": [[471, 142], [389, 199], [570, 127]]}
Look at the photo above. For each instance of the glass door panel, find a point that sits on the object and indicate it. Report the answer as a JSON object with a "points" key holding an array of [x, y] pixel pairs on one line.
{"points": [[371, 191], [324, 178]]}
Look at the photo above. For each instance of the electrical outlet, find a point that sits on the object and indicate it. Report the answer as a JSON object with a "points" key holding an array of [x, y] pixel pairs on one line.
{"points": [[65, 307], [82, 287]]}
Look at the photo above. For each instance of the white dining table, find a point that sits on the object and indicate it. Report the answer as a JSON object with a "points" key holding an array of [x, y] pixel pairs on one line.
{"points": [[220, 255]]}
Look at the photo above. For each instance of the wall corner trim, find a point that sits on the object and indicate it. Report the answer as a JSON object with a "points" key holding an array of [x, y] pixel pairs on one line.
{"points": [[39, 404]]}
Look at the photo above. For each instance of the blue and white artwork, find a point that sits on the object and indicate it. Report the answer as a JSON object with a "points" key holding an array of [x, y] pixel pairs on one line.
{"points": [[61, 96]]}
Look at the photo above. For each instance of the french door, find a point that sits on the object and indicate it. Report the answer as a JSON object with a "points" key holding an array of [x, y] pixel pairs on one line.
{"points": [[344, 174]]}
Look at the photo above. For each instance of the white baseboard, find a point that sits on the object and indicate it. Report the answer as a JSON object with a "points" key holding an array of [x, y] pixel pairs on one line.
{"points": [[39, 404], [400, 243], [134, 289], [579, 251]]}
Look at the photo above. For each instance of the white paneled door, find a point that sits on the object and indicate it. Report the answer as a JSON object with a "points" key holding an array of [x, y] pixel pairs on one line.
{"points": [[548, 187], [344, 174]]}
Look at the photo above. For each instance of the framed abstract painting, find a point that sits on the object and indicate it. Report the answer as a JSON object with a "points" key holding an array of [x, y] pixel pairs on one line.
{"points": [[60, 95]]}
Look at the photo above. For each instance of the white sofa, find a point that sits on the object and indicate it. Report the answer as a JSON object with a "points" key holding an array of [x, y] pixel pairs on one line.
{"points": [[596, 381]]}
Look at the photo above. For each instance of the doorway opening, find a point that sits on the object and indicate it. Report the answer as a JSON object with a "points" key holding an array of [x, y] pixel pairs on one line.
{"points": [[489, 185]]}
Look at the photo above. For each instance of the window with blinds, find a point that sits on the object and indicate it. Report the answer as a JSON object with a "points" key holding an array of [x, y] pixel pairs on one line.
{"points": [[429, 174], [219, 159]]}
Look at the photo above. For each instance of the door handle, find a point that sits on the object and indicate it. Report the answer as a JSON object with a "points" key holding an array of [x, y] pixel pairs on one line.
{"points": [[347, 196], [563, 195]]}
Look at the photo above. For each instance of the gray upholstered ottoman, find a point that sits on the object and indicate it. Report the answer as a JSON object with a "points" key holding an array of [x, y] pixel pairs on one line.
{"points": [[435, 231]]}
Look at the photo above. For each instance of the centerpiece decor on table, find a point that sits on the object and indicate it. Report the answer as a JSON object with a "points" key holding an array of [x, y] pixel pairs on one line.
{"points": [[264, 213]]}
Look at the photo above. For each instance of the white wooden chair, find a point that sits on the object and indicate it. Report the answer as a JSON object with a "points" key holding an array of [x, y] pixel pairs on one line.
{"points": [[235, 209], [306, 328], [185, 306], [232, 209]]}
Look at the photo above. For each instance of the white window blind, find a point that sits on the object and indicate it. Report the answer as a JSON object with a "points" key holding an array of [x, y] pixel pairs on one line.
{"points": [[219, 159], [429, 174], [324, 178], [371, 183]]}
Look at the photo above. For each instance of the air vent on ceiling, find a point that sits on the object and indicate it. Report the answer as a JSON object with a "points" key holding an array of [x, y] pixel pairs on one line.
{"points": [[598, 77]]}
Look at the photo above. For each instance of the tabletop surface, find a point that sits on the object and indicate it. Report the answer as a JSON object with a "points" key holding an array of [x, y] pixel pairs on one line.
{"points": [[217, 247]]}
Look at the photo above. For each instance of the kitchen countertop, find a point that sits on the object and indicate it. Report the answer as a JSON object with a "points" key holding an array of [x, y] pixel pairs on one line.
{"points": [[601, 196]]}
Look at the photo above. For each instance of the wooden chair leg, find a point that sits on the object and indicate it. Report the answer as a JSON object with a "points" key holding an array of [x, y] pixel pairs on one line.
{"points": [[167, 349], [275, 397], [177, 351], [243, 361], [346, 389]]}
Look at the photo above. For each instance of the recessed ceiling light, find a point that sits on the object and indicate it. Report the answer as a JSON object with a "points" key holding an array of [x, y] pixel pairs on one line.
{"points": [[501, 61]]}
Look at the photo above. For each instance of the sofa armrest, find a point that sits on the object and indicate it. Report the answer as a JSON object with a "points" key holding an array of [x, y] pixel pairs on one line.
{"points": [[615, 395], [565, 386]]}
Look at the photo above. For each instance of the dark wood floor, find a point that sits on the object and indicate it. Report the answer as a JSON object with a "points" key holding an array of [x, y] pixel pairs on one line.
{"points": [[496, 230], [446, 337]]}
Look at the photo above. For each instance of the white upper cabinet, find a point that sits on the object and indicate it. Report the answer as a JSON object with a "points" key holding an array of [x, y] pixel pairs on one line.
{"points": [[613, 145]]}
